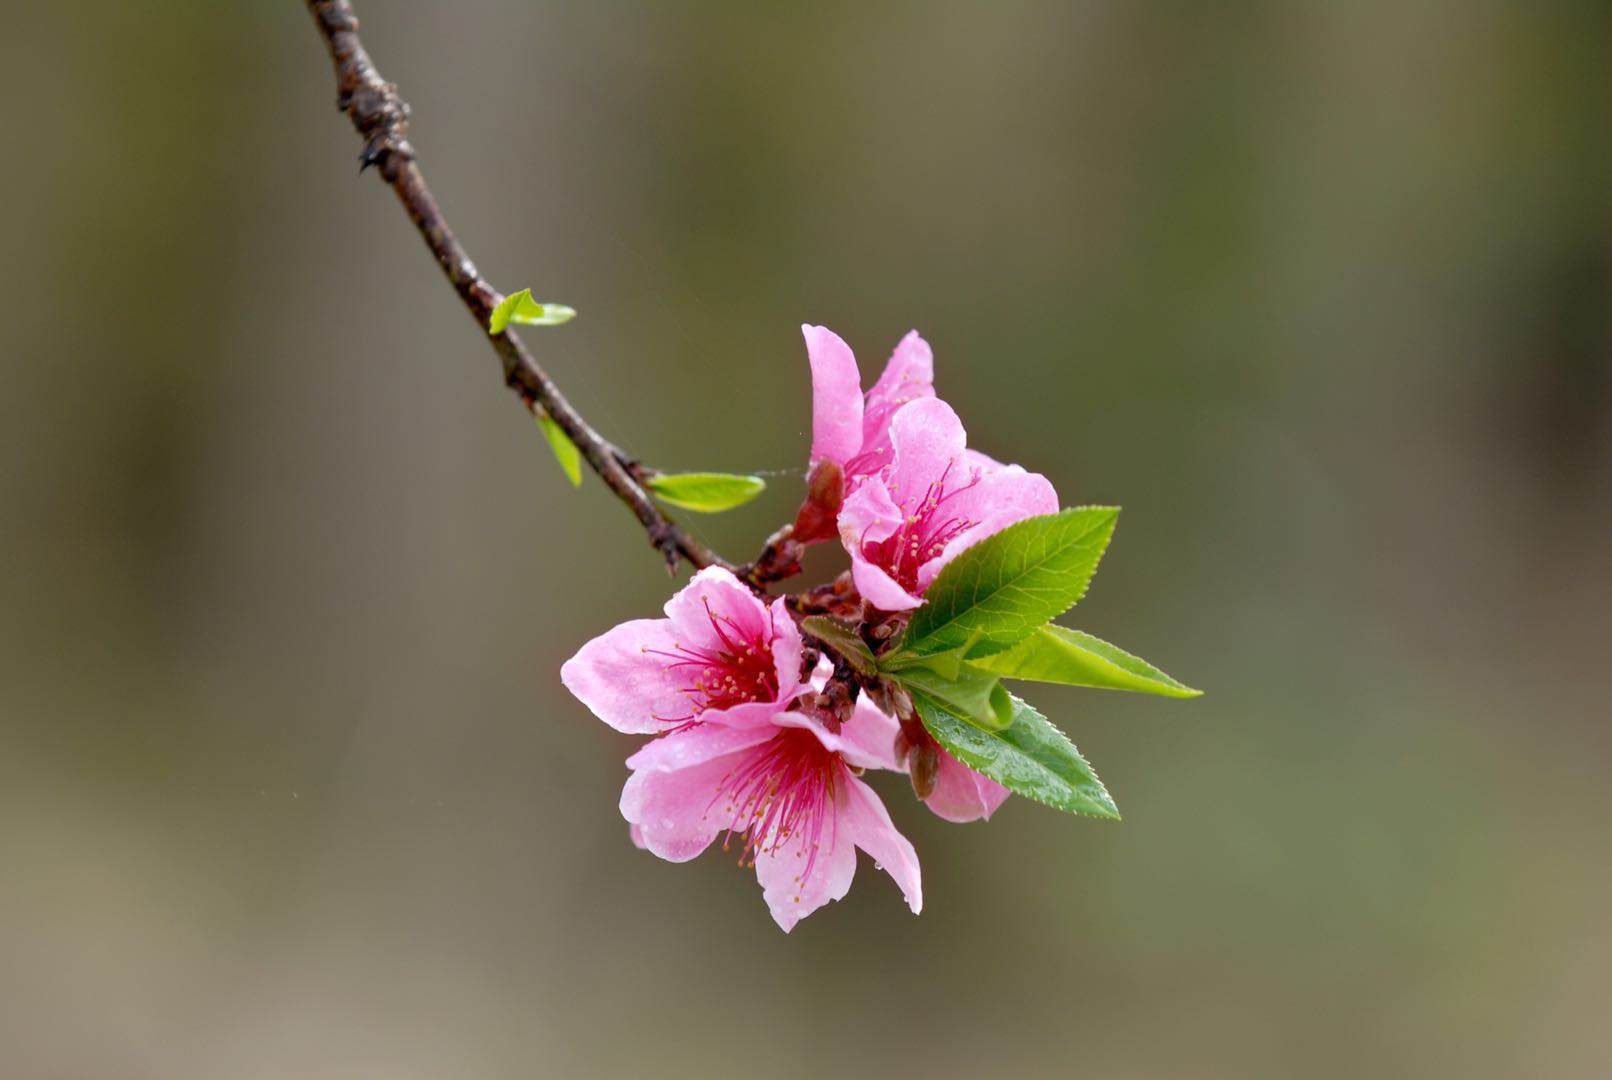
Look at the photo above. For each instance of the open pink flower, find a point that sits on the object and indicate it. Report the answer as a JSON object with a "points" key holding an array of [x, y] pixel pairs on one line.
{"points": [[933, 499], [719, 654], [785, 794], [852, 429]]}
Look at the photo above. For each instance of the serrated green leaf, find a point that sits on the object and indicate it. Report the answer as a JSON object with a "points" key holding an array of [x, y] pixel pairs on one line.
{"points": [[974, 695], [705, 492], [521, 308], [843, 639], [565, 451], [1001, 590], [1030, 757], [1057, 654]]}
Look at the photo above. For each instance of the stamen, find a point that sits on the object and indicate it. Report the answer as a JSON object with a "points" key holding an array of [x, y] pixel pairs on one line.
{"points": [[734, 669], [925, 531], [781, 794]]}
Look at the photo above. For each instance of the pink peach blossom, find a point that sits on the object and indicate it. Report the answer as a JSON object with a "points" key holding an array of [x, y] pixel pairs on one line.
{"points": [[786, 794], [852, 429], [720, 654], [933, 499]]}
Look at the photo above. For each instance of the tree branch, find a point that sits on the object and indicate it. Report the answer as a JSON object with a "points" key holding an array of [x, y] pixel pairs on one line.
{"points": [[382, 118]]}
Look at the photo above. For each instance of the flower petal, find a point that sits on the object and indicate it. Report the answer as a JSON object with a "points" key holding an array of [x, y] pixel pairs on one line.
{"points": [[618, 676], [870, 516], [836, 396], [790, 891], [715, 594], [961, 794], [865, 821], [928, 443], [787, 650], [879, 588], [993, 502], [908, 376], [675, 812], [695, 746], [868, 739], [981, 462]]}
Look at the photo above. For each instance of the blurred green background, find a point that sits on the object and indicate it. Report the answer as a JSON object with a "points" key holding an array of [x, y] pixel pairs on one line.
{"points": [[1320, 292]]}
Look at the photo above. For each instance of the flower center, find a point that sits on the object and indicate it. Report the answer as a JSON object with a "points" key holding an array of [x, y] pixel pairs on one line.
{"points": [[783, 791], [730, 669], [923, 535]]}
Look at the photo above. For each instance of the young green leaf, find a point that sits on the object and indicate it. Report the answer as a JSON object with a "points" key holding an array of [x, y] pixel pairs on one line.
{"points": [[843, 639], [973, 695], [521, 308], [1057, 654], [565, 451], [998, 592], [1029, 757], [705, 492]]}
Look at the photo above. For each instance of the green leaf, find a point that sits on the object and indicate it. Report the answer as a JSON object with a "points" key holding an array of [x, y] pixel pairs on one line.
{"points": [[705, 492], [565, 451], [974, 695], [843, 639], [1001, 590], [1029, 757], [1057, 654], [521, 308]]}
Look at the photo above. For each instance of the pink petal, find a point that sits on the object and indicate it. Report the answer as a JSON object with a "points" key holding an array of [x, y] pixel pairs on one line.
{"points": [[961, 794], [928, 444], [625, 686], [869, 517], [636, 835], [752, 714], [787, 650], [716, 593], [678, 813], [695, 746], [993, 502], [836, 396], [867, 823], [981, 463], [821, 674], [908, 376], [790, 892], [868, 739], [879, 588]]}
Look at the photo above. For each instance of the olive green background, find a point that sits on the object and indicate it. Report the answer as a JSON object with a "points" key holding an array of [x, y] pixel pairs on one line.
{"points": [[1320, 292]]}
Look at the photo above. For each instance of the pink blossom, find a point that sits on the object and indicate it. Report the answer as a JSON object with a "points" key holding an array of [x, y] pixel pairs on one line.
{"points": [[784, 794], [933, 499], [852, 429], [960, 794], [720, 654]]}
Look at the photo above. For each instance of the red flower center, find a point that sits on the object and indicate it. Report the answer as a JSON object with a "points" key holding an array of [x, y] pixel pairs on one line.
{"points": [[923, 535], [730, 669]]}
